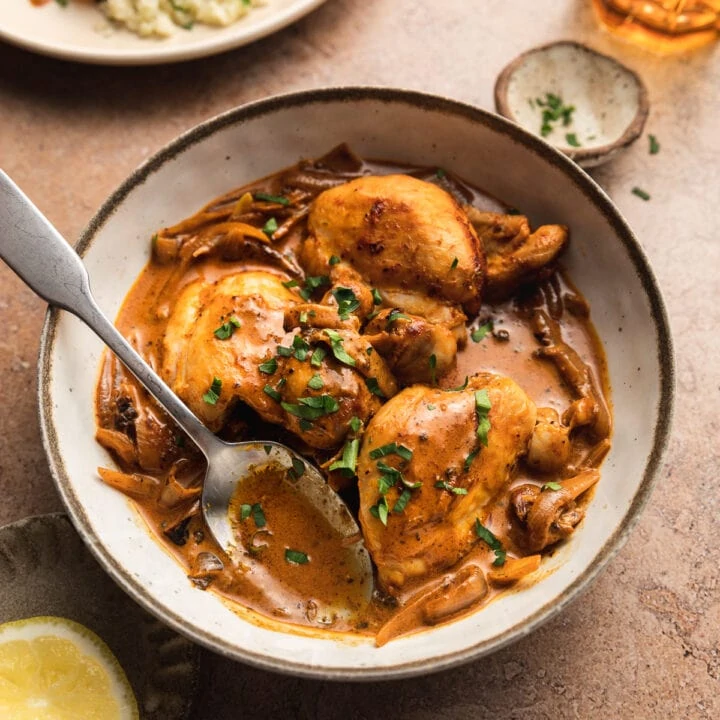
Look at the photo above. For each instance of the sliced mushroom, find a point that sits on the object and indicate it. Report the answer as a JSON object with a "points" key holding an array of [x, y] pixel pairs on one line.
{"points": [[551, 515]]}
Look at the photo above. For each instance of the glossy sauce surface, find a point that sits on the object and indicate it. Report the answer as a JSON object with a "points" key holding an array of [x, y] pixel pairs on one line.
{"points": [[323, 593]]}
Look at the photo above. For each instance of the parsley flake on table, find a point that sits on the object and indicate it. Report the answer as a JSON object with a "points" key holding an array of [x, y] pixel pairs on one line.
{"points": [[654, 145], [641, 193]]}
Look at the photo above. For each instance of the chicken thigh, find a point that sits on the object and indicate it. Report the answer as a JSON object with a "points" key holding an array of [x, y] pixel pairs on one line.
{"points": [[223, 331], [424, 442], [406, 237]]}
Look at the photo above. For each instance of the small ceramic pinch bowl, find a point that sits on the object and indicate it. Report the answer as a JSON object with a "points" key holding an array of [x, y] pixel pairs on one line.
{"points": [[610, 101], [603, 258]]}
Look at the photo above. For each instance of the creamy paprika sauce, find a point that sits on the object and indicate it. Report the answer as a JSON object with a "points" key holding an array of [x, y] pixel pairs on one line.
{"points": [[290, 565]]}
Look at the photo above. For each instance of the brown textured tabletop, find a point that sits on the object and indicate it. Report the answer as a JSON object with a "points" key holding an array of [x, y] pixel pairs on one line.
{"points": [[644, 641]]}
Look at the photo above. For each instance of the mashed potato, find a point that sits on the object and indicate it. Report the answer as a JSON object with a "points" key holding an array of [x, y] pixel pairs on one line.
{"points": [[162, 18]]}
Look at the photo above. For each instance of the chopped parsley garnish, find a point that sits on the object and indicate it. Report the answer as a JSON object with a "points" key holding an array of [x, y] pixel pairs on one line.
{"points": [[305, 425], [402, 501], [300, 348], [348, 462], [376, 296], [440, 173], [303, 316], [317, 357], [444, 485], [268, 367], [272, 392], [469, 459], [284, 351], [396, 475], [313, 282], [571, 139], [495, 545], [291, 284], [369, 350], [393, 316], [654, 145], [336, 344], [385, 483], [213, 394], [62, 3], [355, 424], [433, 366], [380, 511], [430, 406], [226, 329], [373, 386], [334, 260], [552, 486], [257, 514], [297, 470], [454, 264], [270, 227], [640, 193], [391, 449], [479, 333], [296, 557], [267, 449], [279, 199], [347, 301], [311, 408], [482, 408], [459, 388], [554, 110], [315, 382]]}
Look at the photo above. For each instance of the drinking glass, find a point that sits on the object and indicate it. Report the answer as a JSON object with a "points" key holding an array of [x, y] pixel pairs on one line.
{"points": [[664, 26]]}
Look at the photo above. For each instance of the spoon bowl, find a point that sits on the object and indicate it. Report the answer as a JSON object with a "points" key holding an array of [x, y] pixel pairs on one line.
{"points": [[30, 245]]}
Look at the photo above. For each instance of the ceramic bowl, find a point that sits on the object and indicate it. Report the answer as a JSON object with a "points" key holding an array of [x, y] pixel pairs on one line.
{"points": [[610, 101], [604, 259]]}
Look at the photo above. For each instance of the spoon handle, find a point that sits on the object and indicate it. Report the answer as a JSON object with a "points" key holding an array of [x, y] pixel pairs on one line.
{"points": [[47, 263]]}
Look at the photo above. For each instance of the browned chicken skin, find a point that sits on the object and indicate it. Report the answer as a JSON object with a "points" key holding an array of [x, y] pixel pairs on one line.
{"points": [[409, 343], [399, 234], [193, 355], [515, 256], [436, 527]]}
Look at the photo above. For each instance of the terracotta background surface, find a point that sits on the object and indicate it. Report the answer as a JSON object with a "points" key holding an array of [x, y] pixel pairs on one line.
{"points": [[644, 642]]}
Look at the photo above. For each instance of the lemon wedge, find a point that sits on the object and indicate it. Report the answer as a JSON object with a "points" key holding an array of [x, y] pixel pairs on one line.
{"points": [[56, 669]]}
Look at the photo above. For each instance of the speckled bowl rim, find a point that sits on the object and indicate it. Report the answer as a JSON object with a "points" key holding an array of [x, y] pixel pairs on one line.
{"points": [[582, 181], [590, 153]]}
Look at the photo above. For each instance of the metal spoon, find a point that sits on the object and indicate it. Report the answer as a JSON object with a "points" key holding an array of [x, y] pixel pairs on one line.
{"points": [[37, 252]]}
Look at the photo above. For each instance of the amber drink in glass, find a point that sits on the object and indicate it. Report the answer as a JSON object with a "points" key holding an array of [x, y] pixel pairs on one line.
{"points": [[664, 26]]}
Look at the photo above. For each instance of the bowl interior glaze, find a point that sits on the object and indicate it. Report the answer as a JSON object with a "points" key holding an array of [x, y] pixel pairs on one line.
{"points": [[604, 260]]}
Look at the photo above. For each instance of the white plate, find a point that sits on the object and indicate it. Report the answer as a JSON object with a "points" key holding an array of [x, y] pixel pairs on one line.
{"points": [[80, 32], [603, 258]]}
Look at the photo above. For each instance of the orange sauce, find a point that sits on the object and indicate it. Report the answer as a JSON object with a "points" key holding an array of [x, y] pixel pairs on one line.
{"points": [[325, 592]]}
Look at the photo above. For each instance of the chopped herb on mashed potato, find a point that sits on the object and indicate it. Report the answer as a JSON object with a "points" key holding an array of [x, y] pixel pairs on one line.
{"points": [[162, 18]]}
